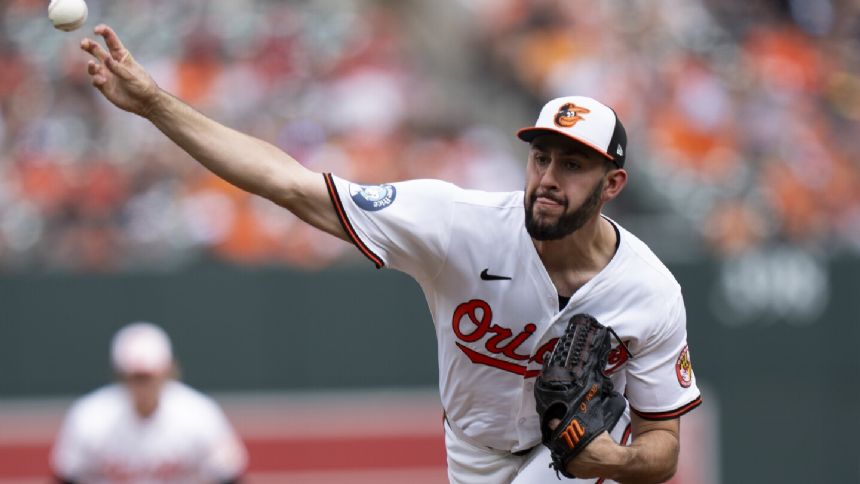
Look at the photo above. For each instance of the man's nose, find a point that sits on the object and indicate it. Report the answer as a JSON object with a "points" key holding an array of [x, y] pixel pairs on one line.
{"points": [[549, 177]]}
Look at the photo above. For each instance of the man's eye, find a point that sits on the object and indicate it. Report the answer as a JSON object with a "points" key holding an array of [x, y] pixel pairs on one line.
{"points": [[571, 165], [542, 159]]}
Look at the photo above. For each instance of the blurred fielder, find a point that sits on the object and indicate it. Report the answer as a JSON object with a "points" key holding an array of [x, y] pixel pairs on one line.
{"points": [[148, 428], [503, 273]]}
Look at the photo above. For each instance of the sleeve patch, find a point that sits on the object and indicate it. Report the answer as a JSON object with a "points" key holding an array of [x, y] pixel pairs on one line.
{"points": [[684, 368], [372, 198]]}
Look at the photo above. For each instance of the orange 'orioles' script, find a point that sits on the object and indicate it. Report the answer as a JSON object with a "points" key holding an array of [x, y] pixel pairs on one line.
{"points": [[583, 407]]}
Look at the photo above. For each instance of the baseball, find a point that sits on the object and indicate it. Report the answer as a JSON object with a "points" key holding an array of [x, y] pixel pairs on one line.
{"points": [[67, 15]]}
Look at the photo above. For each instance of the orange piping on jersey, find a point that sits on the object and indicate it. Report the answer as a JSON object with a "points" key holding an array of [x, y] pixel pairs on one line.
{"points": [[347, 226], [671, 413], [626, 435]]}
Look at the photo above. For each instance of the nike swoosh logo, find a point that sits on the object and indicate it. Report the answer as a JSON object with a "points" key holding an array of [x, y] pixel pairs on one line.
{"points": [[492, 277]]}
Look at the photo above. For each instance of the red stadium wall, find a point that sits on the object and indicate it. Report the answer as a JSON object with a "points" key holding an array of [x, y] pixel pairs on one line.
{"points": [[375, 438], [335, 438]]}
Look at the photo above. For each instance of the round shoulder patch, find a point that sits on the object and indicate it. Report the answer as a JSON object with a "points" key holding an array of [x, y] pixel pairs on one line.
{"points": [[684, 368], [372, 197]]}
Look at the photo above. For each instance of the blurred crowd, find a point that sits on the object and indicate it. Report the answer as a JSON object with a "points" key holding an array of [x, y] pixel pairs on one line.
{"points": [[743, 117]]}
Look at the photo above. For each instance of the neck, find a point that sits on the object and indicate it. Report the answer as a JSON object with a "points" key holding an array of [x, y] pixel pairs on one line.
{"points": [[146, 409], [579, 255]]}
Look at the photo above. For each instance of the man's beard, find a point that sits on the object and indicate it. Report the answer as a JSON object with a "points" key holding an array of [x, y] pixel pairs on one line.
{"points": [[567, 223]]}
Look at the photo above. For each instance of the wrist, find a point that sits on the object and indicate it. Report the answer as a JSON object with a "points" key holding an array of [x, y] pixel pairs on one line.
{"points": [[155, 105], [617, 459], [601, 458]]}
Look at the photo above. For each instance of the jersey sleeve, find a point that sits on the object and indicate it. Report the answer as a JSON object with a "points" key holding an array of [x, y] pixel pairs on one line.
{"points": [[661, 384], [69, 455], [226, 457], [405, 225]]}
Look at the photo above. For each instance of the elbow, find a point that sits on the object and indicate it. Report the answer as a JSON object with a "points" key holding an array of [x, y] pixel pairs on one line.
{"points": [[669, 468], [655, 476], [277, 190], [669, 472], [269, 183], [662, 469], [284, 186]]}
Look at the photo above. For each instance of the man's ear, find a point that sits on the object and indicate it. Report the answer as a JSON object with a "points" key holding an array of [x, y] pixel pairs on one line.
{"points": [[616, 180]]}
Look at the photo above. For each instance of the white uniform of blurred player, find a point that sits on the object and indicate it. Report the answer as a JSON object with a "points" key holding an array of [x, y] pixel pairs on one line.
{"points": [[149, 428], [494, 268]]}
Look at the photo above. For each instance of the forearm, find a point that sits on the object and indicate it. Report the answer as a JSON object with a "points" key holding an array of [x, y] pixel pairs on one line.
{"points": [[246, 162], [651, 458]]}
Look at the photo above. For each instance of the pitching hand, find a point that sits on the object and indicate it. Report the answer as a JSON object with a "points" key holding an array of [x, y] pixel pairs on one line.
{"points": [[118, 76]]}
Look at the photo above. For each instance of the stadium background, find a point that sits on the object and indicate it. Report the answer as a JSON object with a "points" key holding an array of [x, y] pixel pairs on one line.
{"points": [[743, 117]]}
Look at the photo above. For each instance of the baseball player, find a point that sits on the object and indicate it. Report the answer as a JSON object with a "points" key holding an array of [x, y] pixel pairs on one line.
{"points": [[148, 428], [502, 274]]}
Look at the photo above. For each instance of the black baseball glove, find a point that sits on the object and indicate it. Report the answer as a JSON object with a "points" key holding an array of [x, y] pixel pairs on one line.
{"points": [[573, 388]]}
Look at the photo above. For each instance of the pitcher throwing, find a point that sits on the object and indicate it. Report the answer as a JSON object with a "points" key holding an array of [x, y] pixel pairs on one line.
{"points": [[503, 274]]}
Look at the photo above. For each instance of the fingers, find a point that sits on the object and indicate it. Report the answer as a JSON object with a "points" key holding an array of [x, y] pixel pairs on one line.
{"points": [[110, 60], [96, 73], [114, 45], [118, 69], [94, 49], [99, 82]]}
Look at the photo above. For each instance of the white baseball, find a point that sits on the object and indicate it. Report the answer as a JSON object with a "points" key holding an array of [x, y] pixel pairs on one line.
{"points": [[67, 15]]}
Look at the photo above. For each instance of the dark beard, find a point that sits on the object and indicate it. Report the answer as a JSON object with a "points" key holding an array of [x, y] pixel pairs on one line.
{"points": [[568, 223]]}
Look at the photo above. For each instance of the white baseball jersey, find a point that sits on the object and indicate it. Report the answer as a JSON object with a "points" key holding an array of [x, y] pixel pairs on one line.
{"points": [[187, 440], [496, 311]]}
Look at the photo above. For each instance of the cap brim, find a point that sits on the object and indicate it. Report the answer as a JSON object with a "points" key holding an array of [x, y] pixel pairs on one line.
{"points": [[148, 369], [529, 134]]}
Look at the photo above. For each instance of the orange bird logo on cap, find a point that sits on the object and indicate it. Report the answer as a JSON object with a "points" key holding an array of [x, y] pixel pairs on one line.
{"points": [[569, 114]]}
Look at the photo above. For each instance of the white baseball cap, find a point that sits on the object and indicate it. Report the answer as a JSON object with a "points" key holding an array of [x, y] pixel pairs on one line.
{"points": [[141, 348], [585, 120]]}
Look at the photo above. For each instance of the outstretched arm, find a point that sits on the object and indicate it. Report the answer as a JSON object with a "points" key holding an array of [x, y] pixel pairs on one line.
{"points": [[246, 162]]}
